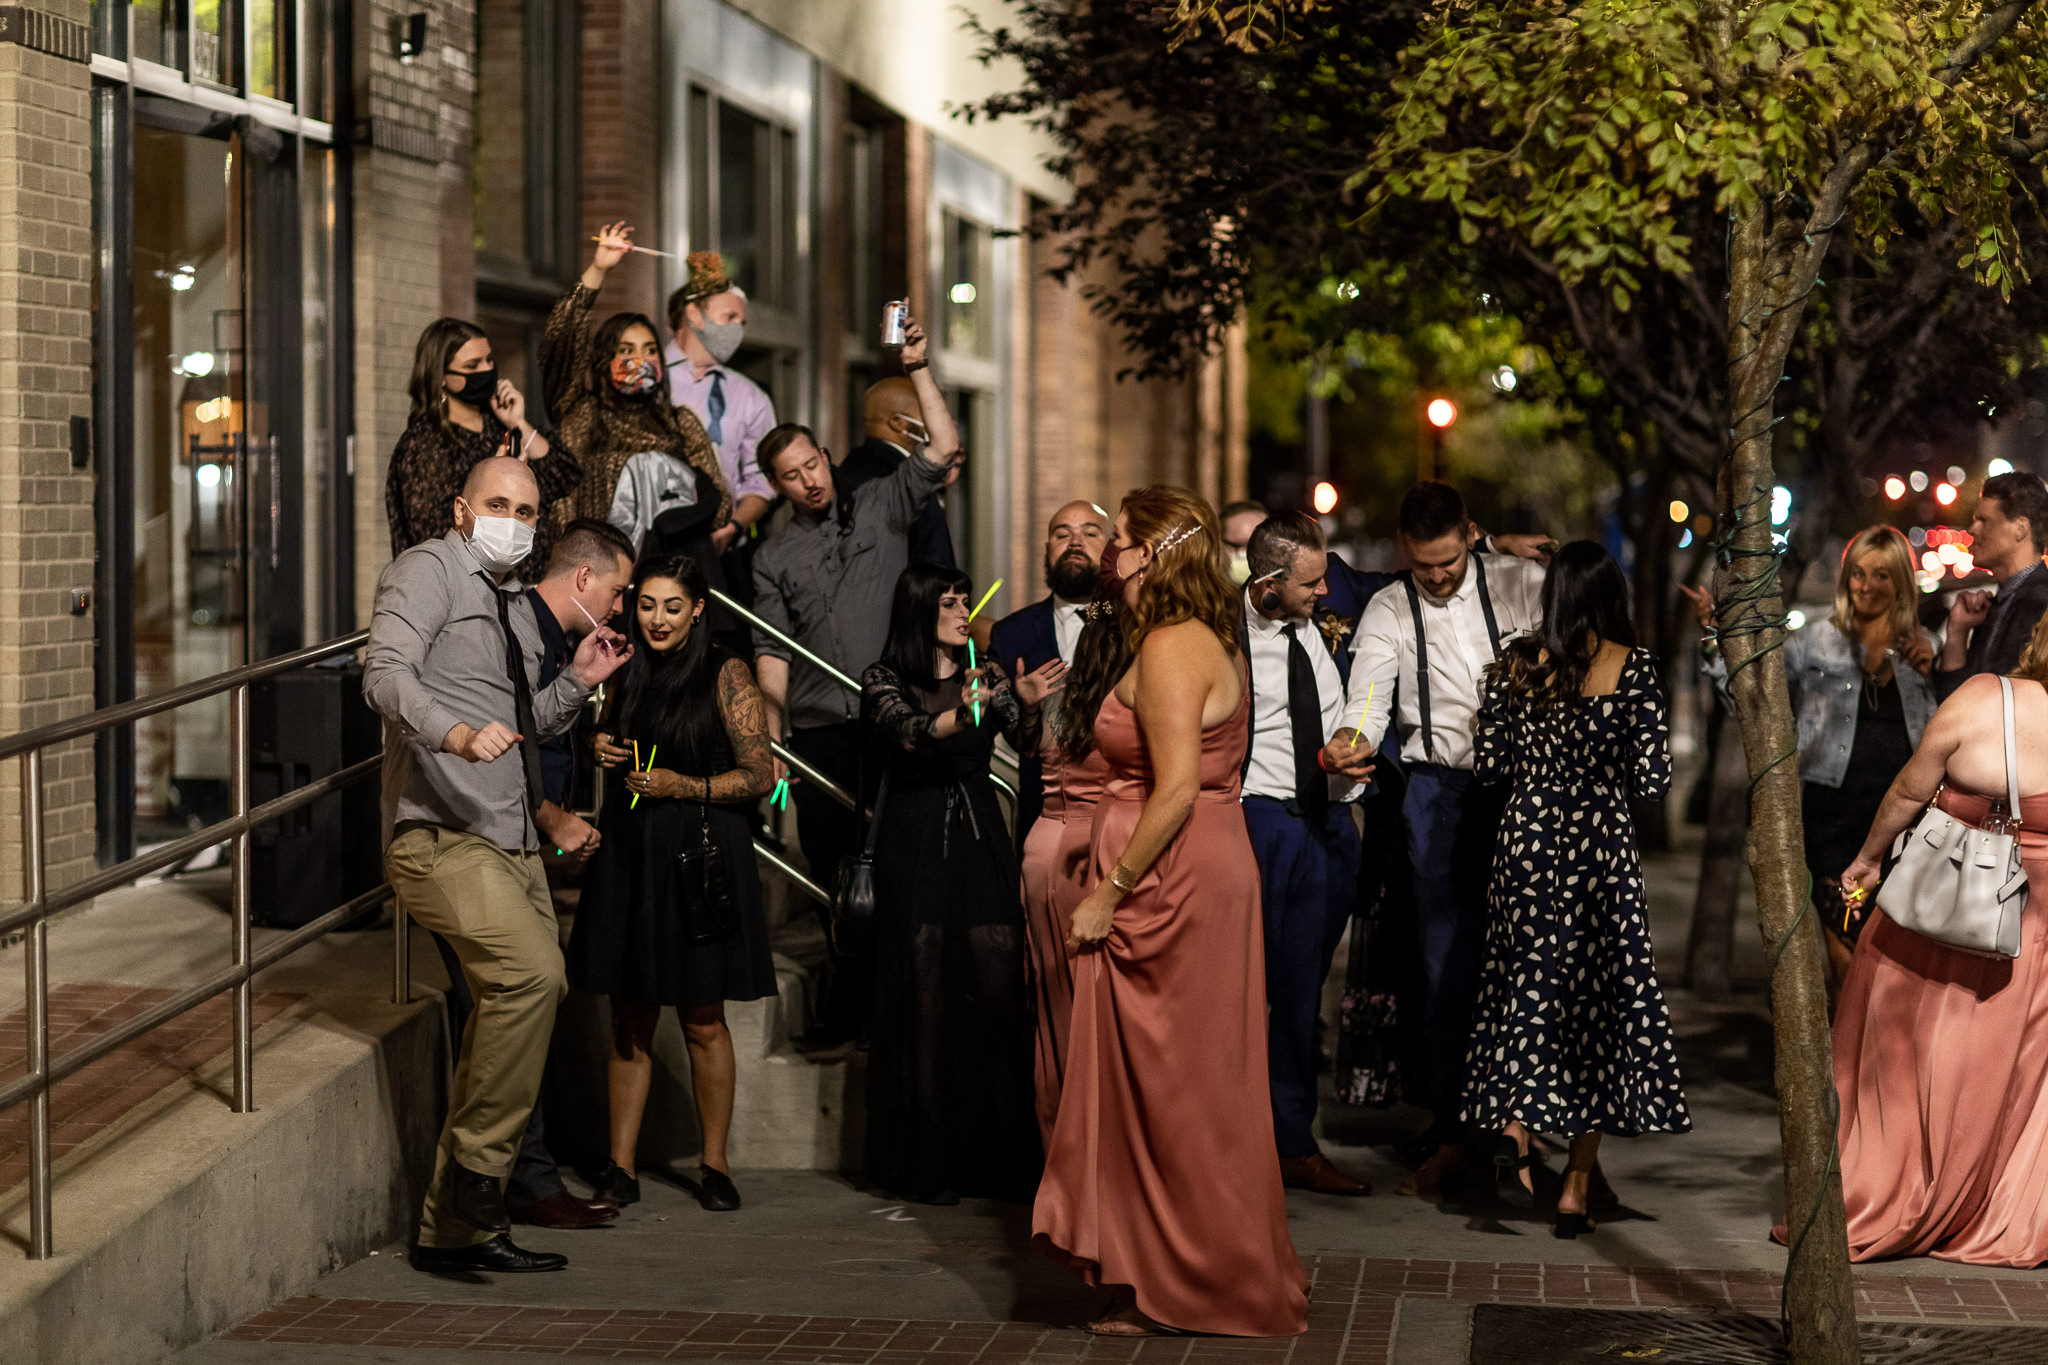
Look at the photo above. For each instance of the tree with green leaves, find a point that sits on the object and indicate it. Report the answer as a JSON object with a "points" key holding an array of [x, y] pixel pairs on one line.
{"points": [[1582, 130]]}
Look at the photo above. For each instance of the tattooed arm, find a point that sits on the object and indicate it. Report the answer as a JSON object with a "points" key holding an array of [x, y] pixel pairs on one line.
{"points": [[746, 729]]}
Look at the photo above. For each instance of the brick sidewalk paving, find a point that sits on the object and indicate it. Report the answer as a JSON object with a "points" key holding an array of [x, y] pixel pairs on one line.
{"points": [[1351, 1319], [86, 1102]]}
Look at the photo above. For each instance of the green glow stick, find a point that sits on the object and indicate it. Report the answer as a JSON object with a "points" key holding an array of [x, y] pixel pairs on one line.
{"points": [[779, 798], [652, 749], [982, 603], [970, 660]]}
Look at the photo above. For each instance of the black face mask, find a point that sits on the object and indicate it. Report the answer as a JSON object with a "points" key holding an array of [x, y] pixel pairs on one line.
{"points": [[478, 387]]}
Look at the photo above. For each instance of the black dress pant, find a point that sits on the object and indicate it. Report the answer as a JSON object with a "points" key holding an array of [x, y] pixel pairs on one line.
{"points": [[829, 834]]}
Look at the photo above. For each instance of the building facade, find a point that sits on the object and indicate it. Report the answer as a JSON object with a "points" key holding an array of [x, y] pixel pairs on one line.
{"points": [[229, 220]]}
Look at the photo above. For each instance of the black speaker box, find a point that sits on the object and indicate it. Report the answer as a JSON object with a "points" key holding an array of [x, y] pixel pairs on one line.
{"points": [[303, 726]]}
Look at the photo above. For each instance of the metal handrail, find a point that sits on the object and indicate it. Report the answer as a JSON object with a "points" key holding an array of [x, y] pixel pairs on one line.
{"points": [[846, 681], [40, 904]]}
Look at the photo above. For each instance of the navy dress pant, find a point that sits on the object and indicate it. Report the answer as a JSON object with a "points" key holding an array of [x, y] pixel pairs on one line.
{"points": [[1452, 822], [1307, 881]]}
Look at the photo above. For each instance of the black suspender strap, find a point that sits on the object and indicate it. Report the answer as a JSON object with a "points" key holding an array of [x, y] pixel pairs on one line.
{"points": [[1422, 648], [1421, 669], [1486, 605]]}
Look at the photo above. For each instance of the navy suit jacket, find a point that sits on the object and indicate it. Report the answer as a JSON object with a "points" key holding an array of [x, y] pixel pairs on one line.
{"points": [[1028, 635]]}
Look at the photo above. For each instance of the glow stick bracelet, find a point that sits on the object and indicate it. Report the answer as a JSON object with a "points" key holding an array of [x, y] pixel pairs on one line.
{"points": [[982, 603], [644, 250], [971, 666], [779, 798], [652, 750]]}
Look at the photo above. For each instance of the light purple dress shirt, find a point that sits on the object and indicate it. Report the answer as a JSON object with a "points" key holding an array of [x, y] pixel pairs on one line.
{"points": [[749, 415]]}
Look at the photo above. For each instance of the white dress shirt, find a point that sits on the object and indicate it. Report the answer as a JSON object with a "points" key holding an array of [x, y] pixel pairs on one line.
{"points": [[1383, 656], [1272, 766], [1067, 620]]}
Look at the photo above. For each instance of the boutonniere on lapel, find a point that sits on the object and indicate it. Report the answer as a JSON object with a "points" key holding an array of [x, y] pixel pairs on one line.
{"points": [[1336, 629]]}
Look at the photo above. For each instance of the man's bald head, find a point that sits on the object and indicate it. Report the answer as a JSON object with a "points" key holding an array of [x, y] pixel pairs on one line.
{"points": [[891, 410], [1074, 539], [498, 486]]}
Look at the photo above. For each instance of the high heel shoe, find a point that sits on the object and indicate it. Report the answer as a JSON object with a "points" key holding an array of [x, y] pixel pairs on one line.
{"points": [[1571, 1225], [1509, 1161]]}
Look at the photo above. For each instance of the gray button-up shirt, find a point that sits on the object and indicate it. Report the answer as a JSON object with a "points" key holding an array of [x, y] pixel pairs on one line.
{"points": [[829, 585], [437, 659]]}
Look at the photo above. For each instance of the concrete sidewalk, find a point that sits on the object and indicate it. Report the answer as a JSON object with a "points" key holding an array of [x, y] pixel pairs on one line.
{"points": [[816, 1269]]}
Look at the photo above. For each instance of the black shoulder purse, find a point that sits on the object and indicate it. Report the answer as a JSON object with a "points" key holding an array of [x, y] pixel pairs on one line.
{"points": [[853, 898], [704, 882]]}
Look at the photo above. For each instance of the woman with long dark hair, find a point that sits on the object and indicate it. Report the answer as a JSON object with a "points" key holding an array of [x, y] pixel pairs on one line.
{"points": [[949, 1054], [1056, 864], [649, 468], [463, 412], [1570, 1035], [1161, 1185], [671, 914]]}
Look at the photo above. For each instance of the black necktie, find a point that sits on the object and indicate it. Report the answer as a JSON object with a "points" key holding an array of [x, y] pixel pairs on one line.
{"points": [[522, 710], [714, 408], [1305, 717]]}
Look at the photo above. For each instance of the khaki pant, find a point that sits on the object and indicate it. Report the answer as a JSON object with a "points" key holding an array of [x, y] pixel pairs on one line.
{"points": [[493, 906]]}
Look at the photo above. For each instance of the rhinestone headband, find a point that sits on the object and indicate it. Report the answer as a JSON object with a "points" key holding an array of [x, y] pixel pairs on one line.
{"points": [[1176, 538]]}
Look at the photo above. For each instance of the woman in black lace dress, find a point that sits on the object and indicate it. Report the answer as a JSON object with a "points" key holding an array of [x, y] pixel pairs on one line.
{"points": [[949, 1059], [685, 748], [1570, 1035]]}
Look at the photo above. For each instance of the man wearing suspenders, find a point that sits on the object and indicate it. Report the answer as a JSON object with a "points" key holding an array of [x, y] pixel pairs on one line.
{"points": [[1419, 661]]}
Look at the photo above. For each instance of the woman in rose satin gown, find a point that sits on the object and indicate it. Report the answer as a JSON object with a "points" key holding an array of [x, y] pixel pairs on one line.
{"points": [[1057, 865], [1161, 1182], [1941, 1056]]}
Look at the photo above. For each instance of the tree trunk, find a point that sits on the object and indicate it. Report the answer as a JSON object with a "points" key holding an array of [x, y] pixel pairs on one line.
{"points": [[1710, 947], [1764, 303]]}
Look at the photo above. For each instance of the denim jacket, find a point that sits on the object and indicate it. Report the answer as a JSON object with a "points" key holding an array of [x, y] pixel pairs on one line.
{"points": [[1825, 678]]}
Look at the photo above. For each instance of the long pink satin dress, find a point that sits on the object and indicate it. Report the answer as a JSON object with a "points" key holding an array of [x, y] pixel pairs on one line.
{"points": [[1161, 1174], [1941, 1062], [1058, 870]]}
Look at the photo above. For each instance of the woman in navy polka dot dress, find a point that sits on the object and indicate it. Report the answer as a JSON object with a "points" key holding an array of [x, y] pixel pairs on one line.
{"points": [[1570, 1035]]}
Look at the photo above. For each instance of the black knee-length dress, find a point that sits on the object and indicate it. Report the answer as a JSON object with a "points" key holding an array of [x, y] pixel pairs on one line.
{"points": [[1571, 1034]]}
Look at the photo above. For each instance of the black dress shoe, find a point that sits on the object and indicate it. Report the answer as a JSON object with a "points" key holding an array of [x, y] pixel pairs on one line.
{"points": [[498, 1254], [479, 1199], [613, 1186], [1570, 1226], [715, 1190], [564, 1210]]}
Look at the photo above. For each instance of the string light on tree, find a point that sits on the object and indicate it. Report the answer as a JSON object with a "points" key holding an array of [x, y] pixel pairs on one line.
{"points": [[1945, 493], [2001, 465], [1781, 505], [1894, 488]]}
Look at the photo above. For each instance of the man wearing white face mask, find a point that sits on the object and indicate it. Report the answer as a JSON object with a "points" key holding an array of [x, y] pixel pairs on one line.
{"points": [[893, 429], [453, 649], [707, 318]]}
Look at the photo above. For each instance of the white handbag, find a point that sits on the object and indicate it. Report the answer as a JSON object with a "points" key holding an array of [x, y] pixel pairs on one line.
{"points": [[1960, 885]]}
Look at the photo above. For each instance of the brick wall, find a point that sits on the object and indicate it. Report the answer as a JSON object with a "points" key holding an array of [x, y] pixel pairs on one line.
{"points": [[46, 507], [414, 258], [622, 147]]}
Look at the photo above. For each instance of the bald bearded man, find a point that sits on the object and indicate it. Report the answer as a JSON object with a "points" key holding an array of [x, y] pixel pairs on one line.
{"points": [[892, 428]]}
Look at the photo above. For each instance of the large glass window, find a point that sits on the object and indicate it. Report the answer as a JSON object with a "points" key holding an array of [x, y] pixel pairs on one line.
{"points": [[213, 41], [964, 270], [269, 48], [190, 458], [743, 203]]}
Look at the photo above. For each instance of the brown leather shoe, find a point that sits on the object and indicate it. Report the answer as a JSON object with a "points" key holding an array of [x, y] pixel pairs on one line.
{"points": [[564, 1210], [1441, 1168], [1316, 1173]]}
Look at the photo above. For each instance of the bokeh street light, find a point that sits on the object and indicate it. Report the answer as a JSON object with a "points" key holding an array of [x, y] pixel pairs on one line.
{"points": [[1325, 498]]}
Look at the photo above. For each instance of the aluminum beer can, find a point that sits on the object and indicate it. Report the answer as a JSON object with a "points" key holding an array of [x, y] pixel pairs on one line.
{"points": [[893, 315]]}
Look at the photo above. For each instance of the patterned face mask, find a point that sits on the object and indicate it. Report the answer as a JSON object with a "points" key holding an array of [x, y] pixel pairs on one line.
{"points": [[635, 378]]}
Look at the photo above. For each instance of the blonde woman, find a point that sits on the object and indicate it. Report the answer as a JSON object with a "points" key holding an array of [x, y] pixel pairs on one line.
{"points": [[1861, 683]]}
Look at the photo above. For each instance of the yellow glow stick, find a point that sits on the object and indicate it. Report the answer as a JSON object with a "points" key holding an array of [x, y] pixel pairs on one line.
{"points": [[982, 603], [1364, 711], [652, 750]]}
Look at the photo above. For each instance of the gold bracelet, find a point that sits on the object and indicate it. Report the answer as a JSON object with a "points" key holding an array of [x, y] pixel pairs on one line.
{"points": [[1123, 879]]}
